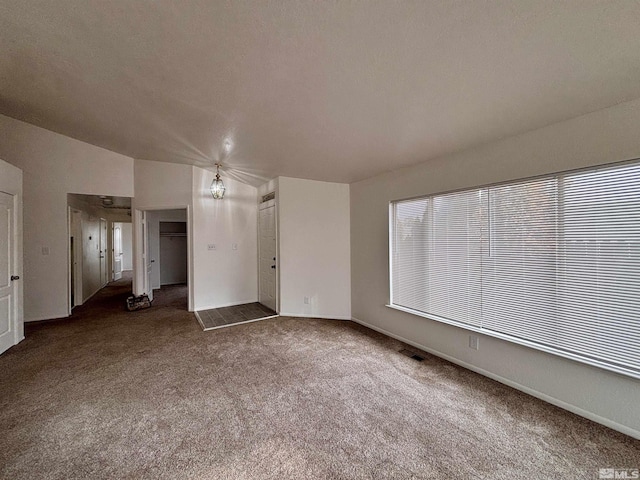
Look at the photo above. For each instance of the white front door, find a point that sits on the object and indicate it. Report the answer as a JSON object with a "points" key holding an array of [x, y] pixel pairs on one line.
{"points": [[117, 251], [7, 281], [267, 256]]}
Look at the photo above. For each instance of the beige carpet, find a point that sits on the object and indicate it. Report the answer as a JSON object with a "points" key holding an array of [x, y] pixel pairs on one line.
{"points": [[148, 394]]}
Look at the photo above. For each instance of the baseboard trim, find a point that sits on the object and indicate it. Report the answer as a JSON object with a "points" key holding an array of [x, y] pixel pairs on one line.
{"points": [[199, 320], [326, 317], [534, 393], [34, 320]]}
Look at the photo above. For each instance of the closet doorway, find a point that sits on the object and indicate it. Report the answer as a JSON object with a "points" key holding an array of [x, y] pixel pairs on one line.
{"points": [[165, 252], [173, 253]]}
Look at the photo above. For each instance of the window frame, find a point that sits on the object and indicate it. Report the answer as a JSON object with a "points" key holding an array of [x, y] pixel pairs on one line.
{"points": [[581, 358]]}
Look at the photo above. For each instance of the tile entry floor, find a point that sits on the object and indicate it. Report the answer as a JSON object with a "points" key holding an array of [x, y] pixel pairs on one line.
{"points": [[227, 316]]}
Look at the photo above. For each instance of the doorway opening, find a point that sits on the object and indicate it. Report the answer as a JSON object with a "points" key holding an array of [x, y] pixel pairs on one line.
{"points": [[122, 260], [92, 257], [163, 246]]}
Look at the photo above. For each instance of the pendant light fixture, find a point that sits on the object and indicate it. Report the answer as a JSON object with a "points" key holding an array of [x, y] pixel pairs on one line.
{"points": [[217, 187]]}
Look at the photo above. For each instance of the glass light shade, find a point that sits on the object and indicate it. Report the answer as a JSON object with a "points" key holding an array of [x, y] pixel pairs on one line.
{"points": [[217, 188]]}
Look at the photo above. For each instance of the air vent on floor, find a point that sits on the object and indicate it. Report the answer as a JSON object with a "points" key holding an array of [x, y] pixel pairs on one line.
{"points": [[410, 354]]}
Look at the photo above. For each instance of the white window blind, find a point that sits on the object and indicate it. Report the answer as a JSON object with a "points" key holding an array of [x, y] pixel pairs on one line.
{"points": [[553, 263], [455, 256], [519, 287], [410, 258]]}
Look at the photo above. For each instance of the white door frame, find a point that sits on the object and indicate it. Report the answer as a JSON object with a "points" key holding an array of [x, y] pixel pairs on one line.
{"points": [[11, 183], [139, 269], [77, 261]]}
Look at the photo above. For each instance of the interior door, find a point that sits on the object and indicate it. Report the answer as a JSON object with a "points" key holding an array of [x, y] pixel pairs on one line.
{"points": [[117, 251], [146, 256], [267, 256], [7, 290], [75, 257], [104, 272]]}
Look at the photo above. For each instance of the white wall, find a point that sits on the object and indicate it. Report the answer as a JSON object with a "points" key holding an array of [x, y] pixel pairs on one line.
{"points": [[127, 247], [11, 183], [314, 248], [54, 165], [224, 276], [605, 136], [268, 187], [160, 186]]}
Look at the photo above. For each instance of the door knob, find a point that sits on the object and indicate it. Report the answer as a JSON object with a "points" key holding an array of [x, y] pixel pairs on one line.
{"points": [[273, 266], [15, 277]]}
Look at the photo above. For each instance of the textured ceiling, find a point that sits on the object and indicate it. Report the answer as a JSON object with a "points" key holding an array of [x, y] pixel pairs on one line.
{"points": [[335, 90]]}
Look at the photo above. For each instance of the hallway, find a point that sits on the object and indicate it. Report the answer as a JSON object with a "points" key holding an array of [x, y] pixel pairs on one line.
{"points": [[112, 298], [105, 315]]}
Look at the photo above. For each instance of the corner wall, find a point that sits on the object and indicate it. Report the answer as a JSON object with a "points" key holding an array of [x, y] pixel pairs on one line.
{"points": [[605, 136], [54, 165], [314, 254], [160, 186]]}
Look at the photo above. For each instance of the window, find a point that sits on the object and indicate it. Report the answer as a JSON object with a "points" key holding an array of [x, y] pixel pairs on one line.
{"points": [[552, 263]]}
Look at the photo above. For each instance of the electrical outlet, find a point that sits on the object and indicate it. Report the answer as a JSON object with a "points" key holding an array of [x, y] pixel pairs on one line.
{"points": [[211, 246], [474, 342], [306, 300]]}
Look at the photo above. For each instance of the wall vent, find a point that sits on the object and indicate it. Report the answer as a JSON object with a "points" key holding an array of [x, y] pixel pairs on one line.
{"points": [[268, 196]]}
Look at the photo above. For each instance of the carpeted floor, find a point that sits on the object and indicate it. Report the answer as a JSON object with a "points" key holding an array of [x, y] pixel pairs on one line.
{"points": [[148, 394]]}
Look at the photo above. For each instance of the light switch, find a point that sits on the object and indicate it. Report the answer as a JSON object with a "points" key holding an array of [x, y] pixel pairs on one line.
{"points": [[45, 250], [234, 246]]}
